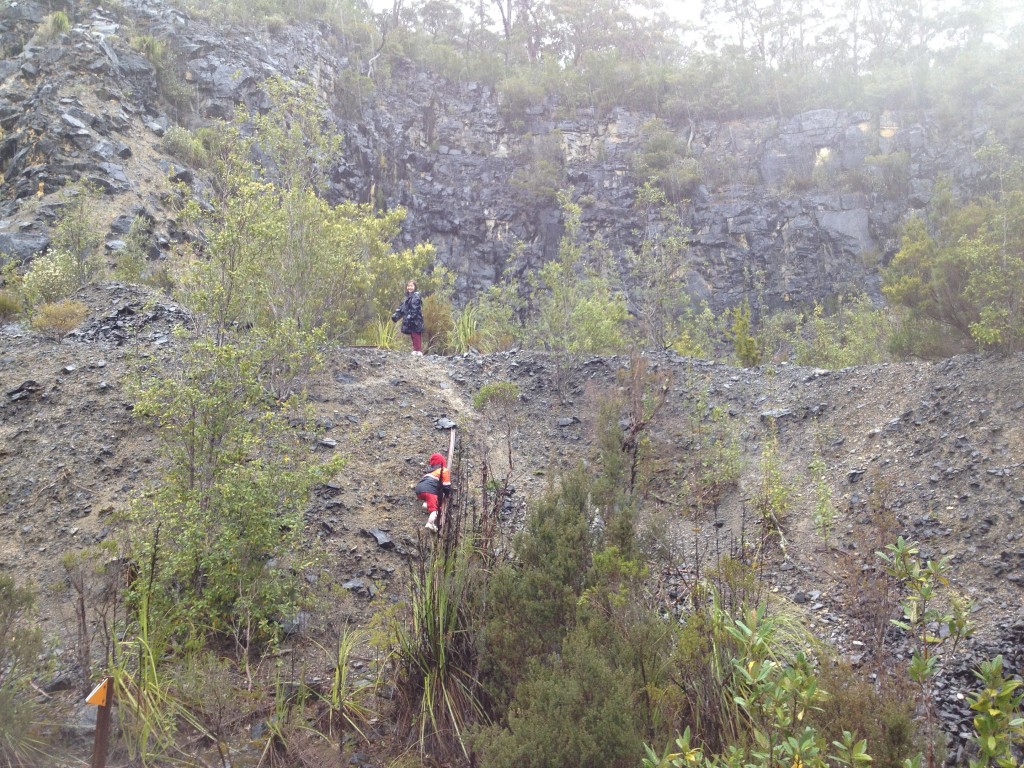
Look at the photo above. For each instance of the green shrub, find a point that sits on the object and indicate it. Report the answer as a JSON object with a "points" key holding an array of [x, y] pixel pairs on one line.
{"points": [[998, 725], [572, 710], [236, 482], [745, 344], [275, 24], [497, 324], [578, 312], [50, 278], [130, 262], [465, 335], [772, 498], [438, 324], [175, 90], [662, 161], [56, 23], [496, 394], [539, 172], [714, 463], [10, 305], [532, 603], [162, 279], [186, 146], [352, 92], [382, 334], [20, 645], [436, 654], [857, 333], [519, 94], [79, 232], [825, 511], [278, 250], [882, 713], [150, 47], [889, 174]]}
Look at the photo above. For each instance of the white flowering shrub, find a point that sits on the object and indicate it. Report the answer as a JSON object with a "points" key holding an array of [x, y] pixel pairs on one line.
{"points": [[51, 277]]}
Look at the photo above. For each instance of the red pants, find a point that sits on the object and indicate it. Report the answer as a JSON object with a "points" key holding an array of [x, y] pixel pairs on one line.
{"points": [[431, 500], [416, 341]]}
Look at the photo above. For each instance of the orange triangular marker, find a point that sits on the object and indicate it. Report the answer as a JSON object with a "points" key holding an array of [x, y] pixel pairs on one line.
{"points": [[99, 694]]}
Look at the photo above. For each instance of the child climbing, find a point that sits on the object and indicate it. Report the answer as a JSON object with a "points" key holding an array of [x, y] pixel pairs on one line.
{"points": [[433, 488]]}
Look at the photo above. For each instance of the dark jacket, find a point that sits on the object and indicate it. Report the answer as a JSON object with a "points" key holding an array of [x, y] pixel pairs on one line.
{"points": [[437, 481], [411, 313]]}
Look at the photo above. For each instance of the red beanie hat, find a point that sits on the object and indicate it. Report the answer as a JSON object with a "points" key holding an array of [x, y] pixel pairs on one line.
{"points": [[437, 458]]}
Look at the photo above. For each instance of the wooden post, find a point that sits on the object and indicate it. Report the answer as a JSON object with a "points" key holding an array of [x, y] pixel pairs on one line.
{"points": [[443, 513], [103, 697]]}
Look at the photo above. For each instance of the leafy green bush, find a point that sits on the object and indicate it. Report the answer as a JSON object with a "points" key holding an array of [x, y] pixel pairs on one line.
{"points": [[532, 603], [465, 334], [20, 645], [666, 315], [130, 261], [436, 654], [50, 278], [277, 249], [577, 310], [79, 231], [663, 161], [10, 305], [858, 333], [998, 725], [889, 174], [352, 92], [56, 23], [714, 462], [498, 326], [438, 324], [539, 172], [185, 145], [882, 713], [825, 511], [172, 87], [955, 274], [745, 344], [233, 492], [570, 711], [773, 497], [496, 395], [520, 93]]}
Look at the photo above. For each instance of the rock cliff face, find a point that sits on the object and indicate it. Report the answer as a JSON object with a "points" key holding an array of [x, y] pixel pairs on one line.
{"points": [[788, 211]]}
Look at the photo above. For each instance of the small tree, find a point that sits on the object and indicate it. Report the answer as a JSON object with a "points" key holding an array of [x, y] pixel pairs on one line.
{"points": [[79, 231], [745, 343], [278, 251], [931, 620], [576, 311], [236, 481], [20, 644]]}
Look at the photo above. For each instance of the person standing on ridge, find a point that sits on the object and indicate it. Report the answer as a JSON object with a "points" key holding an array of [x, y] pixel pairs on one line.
{"points": [[433, 488], [410, 311]]}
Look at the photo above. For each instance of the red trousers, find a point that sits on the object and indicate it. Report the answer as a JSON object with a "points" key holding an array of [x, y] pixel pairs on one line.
{"points": [[431, 500]]}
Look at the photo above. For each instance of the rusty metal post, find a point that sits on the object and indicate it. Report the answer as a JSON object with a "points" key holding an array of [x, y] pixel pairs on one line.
{"points": [[103, 697]]}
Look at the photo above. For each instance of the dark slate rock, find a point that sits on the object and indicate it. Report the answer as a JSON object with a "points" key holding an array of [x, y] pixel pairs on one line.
{"points": [[383, 540], [21, 246]]}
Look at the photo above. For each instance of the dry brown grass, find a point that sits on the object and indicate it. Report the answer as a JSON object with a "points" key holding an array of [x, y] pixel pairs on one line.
{"points": [[57, 319]]}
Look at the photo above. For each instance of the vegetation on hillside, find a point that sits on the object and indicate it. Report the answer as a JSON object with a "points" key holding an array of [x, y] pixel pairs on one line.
{"points": [[555, 651]]}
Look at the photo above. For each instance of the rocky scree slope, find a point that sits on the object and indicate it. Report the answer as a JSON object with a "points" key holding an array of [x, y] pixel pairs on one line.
{"points": [[774, 217], [930, 451]]}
